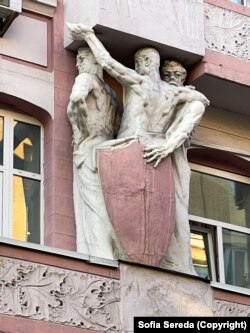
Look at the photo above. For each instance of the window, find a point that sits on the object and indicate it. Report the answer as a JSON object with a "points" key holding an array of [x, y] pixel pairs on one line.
{"points": [[200, 255], [219, 208], [241, 2], [5, 3], [20, 177]]}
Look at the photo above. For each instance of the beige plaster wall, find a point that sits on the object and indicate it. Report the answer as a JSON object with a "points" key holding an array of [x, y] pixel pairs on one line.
{"points": [[28, 83], [26, 39], [224, 129]]}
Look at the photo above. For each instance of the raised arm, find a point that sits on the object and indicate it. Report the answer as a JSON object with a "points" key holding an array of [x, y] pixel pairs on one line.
{"points": [[124, 75]]}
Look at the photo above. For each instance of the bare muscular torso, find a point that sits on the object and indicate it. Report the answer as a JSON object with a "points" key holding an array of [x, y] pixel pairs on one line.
{"points": [[92, 108], [148, 108]]}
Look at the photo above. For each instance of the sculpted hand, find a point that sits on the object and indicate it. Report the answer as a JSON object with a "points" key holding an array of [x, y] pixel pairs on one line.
{"points": [[205, 101], [79, 31], [156, 153], [117, 142]]}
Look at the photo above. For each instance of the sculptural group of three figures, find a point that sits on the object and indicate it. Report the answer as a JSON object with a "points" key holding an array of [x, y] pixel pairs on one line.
{"points": [[131, 174]]}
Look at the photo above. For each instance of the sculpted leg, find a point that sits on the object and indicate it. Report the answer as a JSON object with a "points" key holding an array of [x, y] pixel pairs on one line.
{"points": [[178, 256]]}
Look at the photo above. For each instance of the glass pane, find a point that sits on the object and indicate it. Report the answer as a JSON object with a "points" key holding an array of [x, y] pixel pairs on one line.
{"points": [[5, 3], [199, 254], [236, 248], [26, 209], [1, 140], [240, 2], [27, 147], [219, 199], [1, 204]]}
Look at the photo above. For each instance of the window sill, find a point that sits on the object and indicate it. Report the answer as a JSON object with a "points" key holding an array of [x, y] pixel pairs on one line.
{"points": [[60, 252], [230, 288]]}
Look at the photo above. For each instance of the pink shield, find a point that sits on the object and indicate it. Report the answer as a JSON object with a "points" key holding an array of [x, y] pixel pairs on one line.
{"points": [[140, 201]]}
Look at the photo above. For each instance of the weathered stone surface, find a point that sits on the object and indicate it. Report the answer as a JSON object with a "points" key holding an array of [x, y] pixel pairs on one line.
{"points": [[57, 295], [229, 309], [177, 24], [227, 32], [146, 292]]}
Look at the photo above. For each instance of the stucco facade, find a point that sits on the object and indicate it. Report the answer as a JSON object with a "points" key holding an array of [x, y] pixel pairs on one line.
{"points": [[49, 286]]}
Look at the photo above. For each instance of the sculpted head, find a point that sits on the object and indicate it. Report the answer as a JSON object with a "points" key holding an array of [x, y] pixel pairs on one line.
{"points": [[146, 59], [173, 73], [86, 62]]}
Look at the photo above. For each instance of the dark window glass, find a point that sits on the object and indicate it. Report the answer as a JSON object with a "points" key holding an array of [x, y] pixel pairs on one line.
{"points": [[27, 140]]}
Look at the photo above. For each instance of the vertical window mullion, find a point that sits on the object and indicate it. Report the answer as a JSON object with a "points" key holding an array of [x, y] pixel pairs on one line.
{"points": [[211, 256], [42, 187], [7, 177], [220, 254]]}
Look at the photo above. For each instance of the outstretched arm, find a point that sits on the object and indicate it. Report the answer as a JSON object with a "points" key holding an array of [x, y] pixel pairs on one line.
{"points": [[121, 73], [187, 94]]}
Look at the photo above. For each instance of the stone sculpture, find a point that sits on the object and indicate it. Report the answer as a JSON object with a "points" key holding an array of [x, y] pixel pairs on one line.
{"points": [[93, 113], [187, 116], [150, 119]]}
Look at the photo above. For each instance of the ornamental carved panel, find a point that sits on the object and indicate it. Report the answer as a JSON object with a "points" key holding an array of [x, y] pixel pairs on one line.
{"points": [[57, 295], [227, 32]]}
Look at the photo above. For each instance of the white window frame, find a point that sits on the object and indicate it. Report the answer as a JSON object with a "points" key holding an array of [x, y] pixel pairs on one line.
{"points": [[209, 250], [219, 225], [8, 171]]}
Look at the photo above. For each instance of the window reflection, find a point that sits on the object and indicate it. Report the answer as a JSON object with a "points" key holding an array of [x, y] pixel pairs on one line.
{"points": [[26, 209], [27, 147], [240, 2], [1, 202], [1, 140], [5, 3], [219, 199], [199, 254], [236, 248]]}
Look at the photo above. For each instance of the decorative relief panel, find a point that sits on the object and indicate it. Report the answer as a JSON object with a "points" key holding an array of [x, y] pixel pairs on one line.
{"points": [[228, 309], [60, 296], [227, 32]]}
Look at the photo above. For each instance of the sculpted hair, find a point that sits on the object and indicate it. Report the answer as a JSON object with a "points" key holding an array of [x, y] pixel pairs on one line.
{"points": [[150, 52], [85, 51], [174, 64], [96, 68]]}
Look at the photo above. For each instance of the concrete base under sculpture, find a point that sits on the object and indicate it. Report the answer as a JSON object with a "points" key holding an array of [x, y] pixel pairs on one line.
{"points": [[140, 201], [151, 293]]}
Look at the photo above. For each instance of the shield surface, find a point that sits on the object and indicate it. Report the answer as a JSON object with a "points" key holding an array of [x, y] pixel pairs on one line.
{"points": [[140, 201]]}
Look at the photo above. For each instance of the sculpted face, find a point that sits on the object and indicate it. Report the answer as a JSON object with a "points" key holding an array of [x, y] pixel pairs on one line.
{"points": [[173, 73], [85, 59], [145, 59]]}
